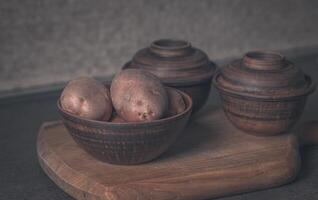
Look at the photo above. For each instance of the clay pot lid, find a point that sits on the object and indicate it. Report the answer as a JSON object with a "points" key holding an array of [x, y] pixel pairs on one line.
{"points": [[263, 74], [175, 62]]}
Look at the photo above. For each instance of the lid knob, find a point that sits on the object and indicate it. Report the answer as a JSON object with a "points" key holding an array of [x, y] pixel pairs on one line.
{"points": [[170, 47], [264, 60]]}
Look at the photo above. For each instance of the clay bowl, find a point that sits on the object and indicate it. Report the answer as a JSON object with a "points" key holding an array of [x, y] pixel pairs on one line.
{"points": [[262, 117], [126, 143], [263, 94], [178, 65]]}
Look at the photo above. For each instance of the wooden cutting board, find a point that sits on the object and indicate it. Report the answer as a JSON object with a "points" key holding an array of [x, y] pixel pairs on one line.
{"points": [[210, 159]]}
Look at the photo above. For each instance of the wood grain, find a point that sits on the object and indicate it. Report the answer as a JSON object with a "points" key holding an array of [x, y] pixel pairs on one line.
{"points": [[211, 159]]}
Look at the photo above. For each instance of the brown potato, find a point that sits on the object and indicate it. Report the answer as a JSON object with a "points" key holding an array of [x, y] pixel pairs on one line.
{"points": [[138, 95], [176, 102], [117, 119], [87, 98]]}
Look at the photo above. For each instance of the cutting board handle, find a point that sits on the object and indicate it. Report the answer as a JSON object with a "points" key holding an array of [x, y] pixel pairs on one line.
{"points": [[308, 133]]}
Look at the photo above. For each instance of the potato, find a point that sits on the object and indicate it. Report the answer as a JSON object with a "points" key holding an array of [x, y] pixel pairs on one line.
{"points": [[138, 96], [87, 98], [117, 119], [176, 102]]}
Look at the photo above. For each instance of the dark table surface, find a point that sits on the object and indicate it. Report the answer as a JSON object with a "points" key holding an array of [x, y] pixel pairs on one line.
{"points": [[21, 177]]}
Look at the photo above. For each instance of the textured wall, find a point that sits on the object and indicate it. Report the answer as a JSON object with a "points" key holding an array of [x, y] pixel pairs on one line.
{"points": [[43, 42]]}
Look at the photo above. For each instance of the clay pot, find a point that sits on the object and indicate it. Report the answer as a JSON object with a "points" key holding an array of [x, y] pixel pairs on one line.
{"points": [[126, 143], [263, 93], [178, 65]]}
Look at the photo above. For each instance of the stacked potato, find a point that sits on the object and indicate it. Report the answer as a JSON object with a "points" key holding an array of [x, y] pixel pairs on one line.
{"points": [[135, 95]]}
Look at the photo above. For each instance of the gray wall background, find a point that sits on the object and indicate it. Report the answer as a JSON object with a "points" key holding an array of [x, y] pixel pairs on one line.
{"points": [[44, 42]]}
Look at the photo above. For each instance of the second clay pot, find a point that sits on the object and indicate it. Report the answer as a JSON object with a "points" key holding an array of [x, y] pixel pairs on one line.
{"points": [[263, 93]]}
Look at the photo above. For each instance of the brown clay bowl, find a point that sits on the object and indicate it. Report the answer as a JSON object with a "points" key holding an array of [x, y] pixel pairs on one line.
{"points": [[262, 116], [126, 143]]}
